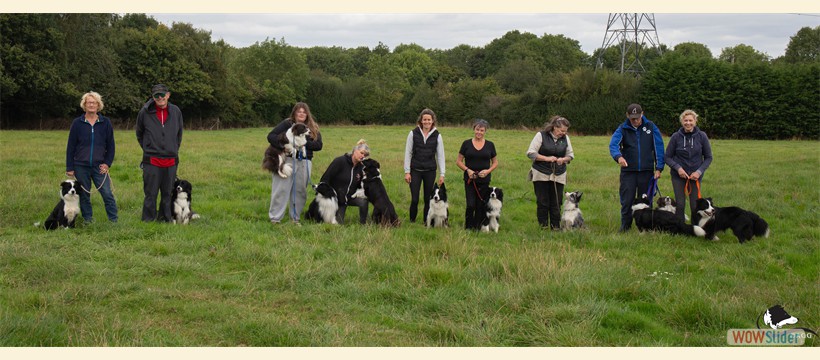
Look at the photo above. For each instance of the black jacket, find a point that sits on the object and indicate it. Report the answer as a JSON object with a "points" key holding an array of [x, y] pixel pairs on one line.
{"points": [[343, 177], [311, 146]]}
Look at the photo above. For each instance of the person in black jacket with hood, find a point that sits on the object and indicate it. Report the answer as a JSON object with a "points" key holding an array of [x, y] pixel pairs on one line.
{"points": [[159, 133], [344, 174]]}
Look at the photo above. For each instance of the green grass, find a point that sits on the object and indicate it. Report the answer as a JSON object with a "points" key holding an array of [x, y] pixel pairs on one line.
{"points": [[233, 279]]}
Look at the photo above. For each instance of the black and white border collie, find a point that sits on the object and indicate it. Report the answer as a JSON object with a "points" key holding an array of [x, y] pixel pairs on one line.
{"points": [[572, 218], [493, 204], [67, 209], [181, 202], [324, 206], [286, 143], [744, 223], [666, 203], [647, 219], [439, 213], [384, 213]]}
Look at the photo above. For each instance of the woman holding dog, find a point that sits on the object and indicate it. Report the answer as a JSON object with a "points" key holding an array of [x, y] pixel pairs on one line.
{"points": [[293, 189], [89, 155], [344, 174], [550, 151], [477, 158], [424, 150], [688, 154]]}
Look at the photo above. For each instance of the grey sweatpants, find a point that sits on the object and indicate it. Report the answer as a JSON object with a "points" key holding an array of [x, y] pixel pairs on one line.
{"points": [[291, 190]]}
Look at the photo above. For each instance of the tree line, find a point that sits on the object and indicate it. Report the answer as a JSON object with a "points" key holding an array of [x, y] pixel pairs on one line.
{"points": [[47, 61]]}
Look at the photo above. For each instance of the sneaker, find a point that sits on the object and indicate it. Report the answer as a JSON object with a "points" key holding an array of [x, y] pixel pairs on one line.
{"points": [[297, 223], [274, 222]]}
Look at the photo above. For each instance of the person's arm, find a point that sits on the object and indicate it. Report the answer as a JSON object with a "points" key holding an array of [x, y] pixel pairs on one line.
{"points": [[615, 147], [179, 131], [658, 140], [462, 166], [110, 148], [408, 154], [535, 144], [707, 156], [70, 148], [668, 155], [440, 159], [314, 144], [140, 128], [569, 155], [282, 127]]}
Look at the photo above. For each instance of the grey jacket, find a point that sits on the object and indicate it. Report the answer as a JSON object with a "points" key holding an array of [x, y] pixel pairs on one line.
{"points": [[156, 139]]}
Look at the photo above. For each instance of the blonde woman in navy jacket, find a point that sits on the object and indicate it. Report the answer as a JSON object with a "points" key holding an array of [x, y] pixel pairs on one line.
{"points": [[90, 153], [688, 154]]}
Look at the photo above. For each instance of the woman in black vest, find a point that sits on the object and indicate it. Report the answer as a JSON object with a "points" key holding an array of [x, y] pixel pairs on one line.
{"points": [[424, 150], [550, 152]]}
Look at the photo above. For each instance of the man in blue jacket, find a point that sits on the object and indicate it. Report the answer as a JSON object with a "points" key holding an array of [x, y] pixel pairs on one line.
{"points": [[637, 146]]}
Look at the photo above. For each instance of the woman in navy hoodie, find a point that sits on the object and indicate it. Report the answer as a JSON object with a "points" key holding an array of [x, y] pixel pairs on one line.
{"points": [[89, 155], [688, 154]]}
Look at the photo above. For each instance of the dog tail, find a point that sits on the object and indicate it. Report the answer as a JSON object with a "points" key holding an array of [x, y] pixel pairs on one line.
{"points": [[760, 226], [692, 230]]}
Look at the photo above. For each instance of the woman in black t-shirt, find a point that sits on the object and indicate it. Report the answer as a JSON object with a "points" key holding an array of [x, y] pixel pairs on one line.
{"points": [[477, 157]]}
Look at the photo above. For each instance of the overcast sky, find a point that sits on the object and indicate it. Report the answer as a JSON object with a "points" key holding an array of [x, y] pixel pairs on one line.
{"points": [[767, 33]]}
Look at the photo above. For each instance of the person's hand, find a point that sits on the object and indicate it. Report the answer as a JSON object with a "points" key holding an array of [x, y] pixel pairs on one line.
{"points": [[103, 169], [471, 174], [657, 174], [622, 162], [682, 174], [69, 173], [483, 173], [441, 180], [695, 175], [407, 178], [560, 161]]}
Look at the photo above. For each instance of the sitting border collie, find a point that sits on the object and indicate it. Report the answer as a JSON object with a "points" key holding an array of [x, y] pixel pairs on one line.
{"points": [[495, 200], [67, 209], [647, 219], [181, 200], [324, 206], [438, 215], [744, 223], [669, 204], [572, 218], [384, 213], [286, 143]]}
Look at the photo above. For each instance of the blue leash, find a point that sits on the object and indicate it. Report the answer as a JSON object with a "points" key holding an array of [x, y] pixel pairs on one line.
{"points": [[299, 158]]}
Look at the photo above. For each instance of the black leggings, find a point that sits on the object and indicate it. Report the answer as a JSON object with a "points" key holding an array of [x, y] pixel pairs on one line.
{"points": [[475, 212], [416, 178]]}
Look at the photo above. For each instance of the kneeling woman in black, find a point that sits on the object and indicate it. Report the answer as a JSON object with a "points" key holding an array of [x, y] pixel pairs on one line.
{"points": [[344, 174]]}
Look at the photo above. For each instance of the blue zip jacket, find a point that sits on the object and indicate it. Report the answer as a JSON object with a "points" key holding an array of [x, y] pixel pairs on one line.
{"points": [[642, 147], [90, 145]]}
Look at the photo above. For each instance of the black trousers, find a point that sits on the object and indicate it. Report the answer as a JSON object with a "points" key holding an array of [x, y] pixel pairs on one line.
{"points": [[358, 202], [475, 211], [157, 180], [416, 179], [633, 184], [548, 198]]}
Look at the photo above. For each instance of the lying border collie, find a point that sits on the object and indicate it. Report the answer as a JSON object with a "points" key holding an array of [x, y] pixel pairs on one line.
{"points": [[439, 214], [181, 200], [384, 213], [286, 143], [572, 218], [495, 200], [669, 204], [648, 219], [324, 206], [67, 209], [744, 223]]}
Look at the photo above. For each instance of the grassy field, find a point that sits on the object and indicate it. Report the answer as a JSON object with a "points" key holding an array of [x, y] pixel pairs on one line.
{"points": [[233, 279]]}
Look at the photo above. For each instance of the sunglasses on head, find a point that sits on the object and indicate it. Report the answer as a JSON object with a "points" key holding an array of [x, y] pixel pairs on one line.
{"points": [[159, 95]]}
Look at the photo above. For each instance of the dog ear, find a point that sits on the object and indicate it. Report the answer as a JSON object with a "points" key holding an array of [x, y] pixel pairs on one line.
{"points": [[579, 196]]}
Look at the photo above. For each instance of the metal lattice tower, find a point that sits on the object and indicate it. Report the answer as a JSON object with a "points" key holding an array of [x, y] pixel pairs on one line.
{"points": [[635, 33]]}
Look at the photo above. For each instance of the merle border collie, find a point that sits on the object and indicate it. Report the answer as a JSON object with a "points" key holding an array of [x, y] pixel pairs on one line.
{"points": [[572, 218], [181, 202], [439, 213], [744, 223], [648, 219], [67, 210], [384, 213], [493, 203], [324, 206], [286, 143]]}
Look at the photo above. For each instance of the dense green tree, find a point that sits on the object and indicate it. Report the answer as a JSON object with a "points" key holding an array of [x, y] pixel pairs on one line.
{"points": [[692, 49], [804, 46], [334, 61], [742, 54], [386, 87], [416, 65]]}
